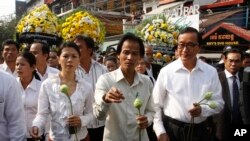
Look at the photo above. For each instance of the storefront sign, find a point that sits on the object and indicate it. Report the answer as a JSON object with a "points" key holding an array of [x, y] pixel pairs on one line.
{"points": [[183, 11], [222, 40], [222, 37]]}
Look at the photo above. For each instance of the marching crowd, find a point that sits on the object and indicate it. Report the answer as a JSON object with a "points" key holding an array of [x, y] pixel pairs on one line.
{"points": [[99, 101]]}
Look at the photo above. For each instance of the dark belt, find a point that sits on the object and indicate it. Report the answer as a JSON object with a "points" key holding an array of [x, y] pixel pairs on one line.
{"points": [[182, 124]]}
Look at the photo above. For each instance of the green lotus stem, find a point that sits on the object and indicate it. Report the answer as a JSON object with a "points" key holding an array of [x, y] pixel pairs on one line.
{"points": [[139, 128], [201, 101], [65, 89]]}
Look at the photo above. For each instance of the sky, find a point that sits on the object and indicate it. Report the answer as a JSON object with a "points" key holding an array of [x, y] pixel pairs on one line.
{"points": [[7, 7]]}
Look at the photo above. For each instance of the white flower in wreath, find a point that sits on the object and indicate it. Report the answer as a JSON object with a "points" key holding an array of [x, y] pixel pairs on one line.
{"points": [[87, 20], [38, 29], [43, 13], [27, 28], [37, 14]]}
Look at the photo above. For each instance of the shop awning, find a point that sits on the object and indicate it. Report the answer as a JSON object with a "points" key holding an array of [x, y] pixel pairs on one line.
{"points": [[222, 3], [243, 33], [214, 18]]}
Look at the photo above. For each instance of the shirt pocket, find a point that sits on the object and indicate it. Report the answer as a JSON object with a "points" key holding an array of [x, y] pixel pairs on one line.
{"points": [[1, 109]]}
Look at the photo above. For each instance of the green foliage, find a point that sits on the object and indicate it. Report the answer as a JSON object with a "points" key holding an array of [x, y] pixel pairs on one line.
{"points": [[7, 28]]}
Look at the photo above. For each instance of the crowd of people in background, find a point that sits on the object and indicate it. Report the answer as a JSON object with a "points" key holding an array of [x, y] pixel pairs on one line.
{"points": [[101, 92]]}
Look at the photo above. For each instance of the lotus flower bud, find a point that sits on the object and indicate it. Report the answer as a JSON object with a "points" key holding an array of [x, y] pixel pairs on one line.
{"points": [[208, 95], [212, 105], [64, 89], [137, 103]]}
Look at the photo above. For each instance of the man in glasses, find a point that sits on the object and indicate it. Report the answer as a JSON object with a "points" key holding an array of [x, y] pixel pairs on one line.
{"points": [[180, 85]]}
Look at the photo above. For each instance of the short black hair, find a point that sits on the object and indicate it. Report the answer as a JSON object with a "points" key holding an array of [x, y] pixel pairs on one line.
{"points": [[191, 30], [69, 45], [10, 42], [234, 50], [45, 46], [131, 37], [110, 58], [89, 41]]}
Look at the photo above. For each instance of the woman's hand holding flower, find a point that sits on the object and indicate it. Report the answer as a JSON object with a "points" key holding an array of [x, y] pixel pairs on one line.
{"points": [[34, 133], [74, 120]]}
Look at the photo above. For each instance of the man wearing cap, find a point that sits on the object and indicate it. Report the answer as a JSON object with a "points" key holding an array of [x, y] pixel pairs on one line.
{"points": [[230, 80]]}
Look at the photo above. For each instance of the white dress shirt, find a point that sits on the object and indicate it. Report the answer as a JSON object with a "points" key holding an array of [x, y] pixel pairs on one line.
{"points": [[12, 122], [176, 89], [121, 123], [53, 102], [5, 68], [49, 72], [95, 71], [30, 101], [229, 77], [149, 71]]}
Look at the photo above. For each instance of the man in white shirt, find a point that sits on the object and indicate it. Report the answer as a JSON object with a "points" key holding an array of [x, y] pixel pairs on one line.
{"points": [[12, 125], [180, 85], [116, 92], [41, 51], [90, 70], [10, 50]]}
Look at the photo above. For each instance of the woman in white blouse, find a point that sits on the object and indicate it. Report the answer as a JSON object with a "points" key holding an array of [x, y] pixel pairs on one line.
{"points": [[30, 85], [55, 103]]}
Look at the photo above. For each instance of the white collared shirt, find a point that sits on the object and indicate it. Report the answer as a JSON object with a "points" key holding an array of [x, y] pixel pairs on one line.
{"points": [[121, 124], [176, 89], [53, 102], [96, 70], [48, 73], [149, 71], [6, 68], [229, 77], [30, 101], [12, 125]]}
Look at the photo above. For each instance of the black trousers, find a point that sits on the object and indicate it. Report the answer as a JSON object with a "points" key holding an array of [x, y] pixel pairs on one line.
{"points": [[151, 133], [178, 131], [96, 134]]}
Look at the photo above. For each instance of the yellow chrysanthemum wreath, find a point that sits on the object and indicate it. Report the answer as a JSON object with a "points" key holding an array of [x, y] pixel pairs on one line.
{"points": [[83, 23], [39, 20], [158, 31]]}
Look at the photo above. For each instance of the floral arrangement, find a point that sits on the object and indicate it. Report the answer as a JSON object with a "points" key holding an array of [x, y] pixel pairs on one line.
{"points": [[83, 23], [39, 24], [159, 31], [40, 20], [162, 59]]}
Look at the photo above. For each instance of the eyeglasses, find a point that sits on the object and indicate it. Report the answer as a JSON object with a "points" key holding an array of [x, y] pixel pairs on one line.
{"points": [[181, 46]]}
